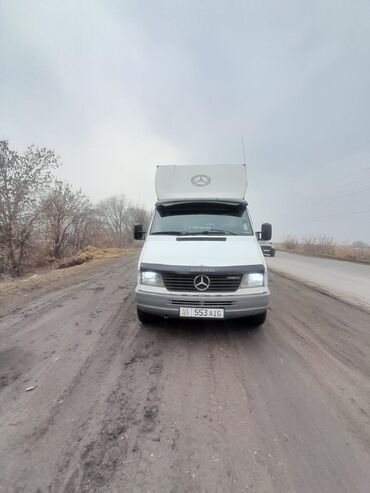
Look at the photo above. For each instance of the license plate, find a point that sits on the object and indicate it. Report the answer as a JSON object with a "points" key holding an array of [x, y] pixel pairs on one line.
{"points": [[201, 312]]}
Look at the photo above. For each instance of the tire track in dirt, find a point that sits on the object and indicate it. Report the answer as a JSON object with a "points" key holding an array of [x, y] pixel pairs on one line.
{"points": [[69, 414], [188, 406], [130, 419]]}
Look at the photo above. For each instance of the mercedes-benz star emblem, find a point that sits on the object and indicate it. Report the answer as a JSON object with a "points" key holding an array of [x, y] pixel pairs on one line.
{"points": [[201, 180], [202, 282]]}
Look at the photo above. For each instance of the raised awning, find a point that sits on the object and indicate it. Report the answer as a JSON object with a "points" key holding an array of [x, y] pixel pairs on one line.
{"points": [[227, 182]]}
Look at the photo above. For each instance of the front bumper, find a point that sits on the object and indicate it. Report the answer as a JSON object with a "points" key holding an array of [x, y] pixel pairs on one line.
{"points": [[235, 306]]}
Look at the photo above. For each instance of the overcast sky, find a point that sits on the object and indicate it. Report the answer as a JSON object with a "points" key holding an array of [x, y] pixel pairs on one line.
{"points": [[117, 87]]}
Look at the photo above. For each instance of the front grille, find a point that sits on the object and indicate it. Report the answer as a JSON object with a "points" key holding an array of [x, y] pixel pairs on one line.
{"points": [[185, 282], [211, 304]]}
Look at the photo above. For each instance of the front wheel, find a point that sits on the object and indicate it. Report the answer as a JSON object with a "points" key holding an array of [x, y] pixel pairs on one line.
{"points": [[272, 254], [257, 320], [146, 318]]}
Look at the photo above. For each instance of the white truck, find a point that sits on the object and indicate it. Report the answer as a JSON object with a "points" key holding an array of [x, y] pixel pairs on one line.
{"points": [[201, 258]]}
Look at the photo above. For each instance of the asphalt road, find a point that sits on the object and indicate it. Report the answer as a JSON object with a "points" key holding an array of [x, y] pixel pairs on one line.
{"points": [[349, 281], [182, 407]]}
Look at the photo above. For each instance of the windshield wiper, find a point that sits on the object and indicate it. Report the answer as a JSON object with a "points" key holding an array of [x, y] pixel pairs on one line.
{"points": [[213, 231], [167, 233], [222, 231], [195, 233]]}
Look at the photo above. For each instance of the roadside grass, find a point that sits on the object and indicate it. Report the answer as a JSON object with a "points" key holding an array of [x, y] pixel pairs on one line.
{"points": [[325, 246], [88, 254], [98, 252], [41, 277]]}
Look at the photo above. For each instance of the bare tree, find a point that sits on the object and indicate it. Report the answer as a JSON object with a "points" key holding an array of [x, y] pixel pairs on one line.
{"points": [[118, 217], [67, 215], [23, 180], [137, 214], [43, 220], [113, 215], [85, 226]]}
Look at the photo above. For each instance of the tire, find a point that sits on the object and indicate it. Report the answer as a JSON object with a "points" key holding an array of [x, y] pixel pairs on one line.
{"points": [[257, 320], [272, 253], [146, 318]]}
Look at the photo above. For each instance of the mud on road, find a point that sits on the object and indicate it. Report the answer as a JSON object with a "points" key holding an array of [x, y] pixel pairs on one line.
{"points": [[182, 407]]}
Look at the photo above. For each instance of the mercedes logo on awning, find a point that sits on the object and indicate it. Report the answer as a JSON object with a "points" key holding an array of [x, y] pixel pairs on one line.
{"points": [[201, 180], [202, 282]]}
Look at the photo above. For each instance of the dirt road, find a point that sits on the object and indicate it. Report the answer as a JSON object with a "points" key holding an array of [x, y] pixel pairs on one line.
{"points": [[182, 407]]}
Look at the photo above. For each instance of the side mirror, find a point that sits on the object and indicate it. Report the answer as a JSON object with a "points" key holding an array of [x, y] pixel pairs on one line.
{"points": [[258, 235], [266, 232], [139, 234]]}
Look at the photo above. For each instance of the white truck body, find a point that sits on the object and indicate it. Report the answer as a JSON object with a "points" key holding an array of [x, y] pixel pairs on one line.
{"points": [[201, 258]]}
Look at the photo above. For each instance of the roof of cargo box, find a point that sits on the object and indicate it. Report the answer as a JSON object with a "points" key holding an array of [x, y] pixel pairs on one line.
{"points": [[226, 182]]}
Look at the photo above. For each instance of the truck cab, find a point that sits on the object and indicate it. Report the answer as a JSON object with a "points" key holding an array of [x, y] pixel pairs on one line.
{"points": [[201, 258]]}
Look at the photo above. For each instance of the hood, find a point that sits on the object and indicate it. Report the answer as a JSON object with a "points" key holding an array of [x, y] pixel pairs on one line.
{"points": [[210, 251]]}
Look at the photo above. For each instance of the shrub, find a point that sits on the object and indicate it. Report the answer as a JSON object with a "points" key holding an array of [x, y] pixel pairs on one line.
{"points": [[322, 245], [291, 243]]}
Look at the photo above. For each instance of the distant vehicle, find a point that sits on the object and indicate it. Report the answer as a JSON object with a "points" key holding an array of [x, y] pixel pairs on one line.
{"points": [[201, 257], [267, 248]]}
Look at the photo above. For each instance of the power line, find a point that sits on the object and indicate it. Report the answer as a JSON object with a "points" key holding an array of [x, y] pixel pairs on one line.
{"points": [[348, 194], [356, 172], [336, 216]]}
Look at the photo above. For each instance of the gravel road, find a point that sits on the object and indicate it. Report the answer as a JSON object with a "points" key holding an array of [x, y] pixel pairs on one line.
{"points": [[182, 407], [349, 281]]}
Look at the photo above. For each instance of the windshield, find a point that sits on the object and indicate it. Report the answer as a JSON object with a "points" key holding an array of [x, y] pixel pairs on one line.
{"points": [[201, 219]]}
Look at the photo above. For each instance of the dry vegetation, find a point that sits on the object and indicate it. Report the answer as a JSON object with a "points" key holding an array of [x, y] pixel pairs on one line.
{"points": [[46, 224], [44, 278], [325, 246], [91, 253]]}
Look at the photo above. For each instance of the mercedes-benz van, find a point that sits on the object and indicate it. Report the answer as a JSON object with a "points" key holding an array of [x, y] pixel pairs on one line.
{"points": [[201, 258]]}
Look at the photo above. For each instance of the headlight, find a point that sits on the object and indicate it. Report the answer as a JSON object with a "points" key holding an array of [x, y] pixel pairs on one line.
{"points": [[151, 278], [252, 280]]}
